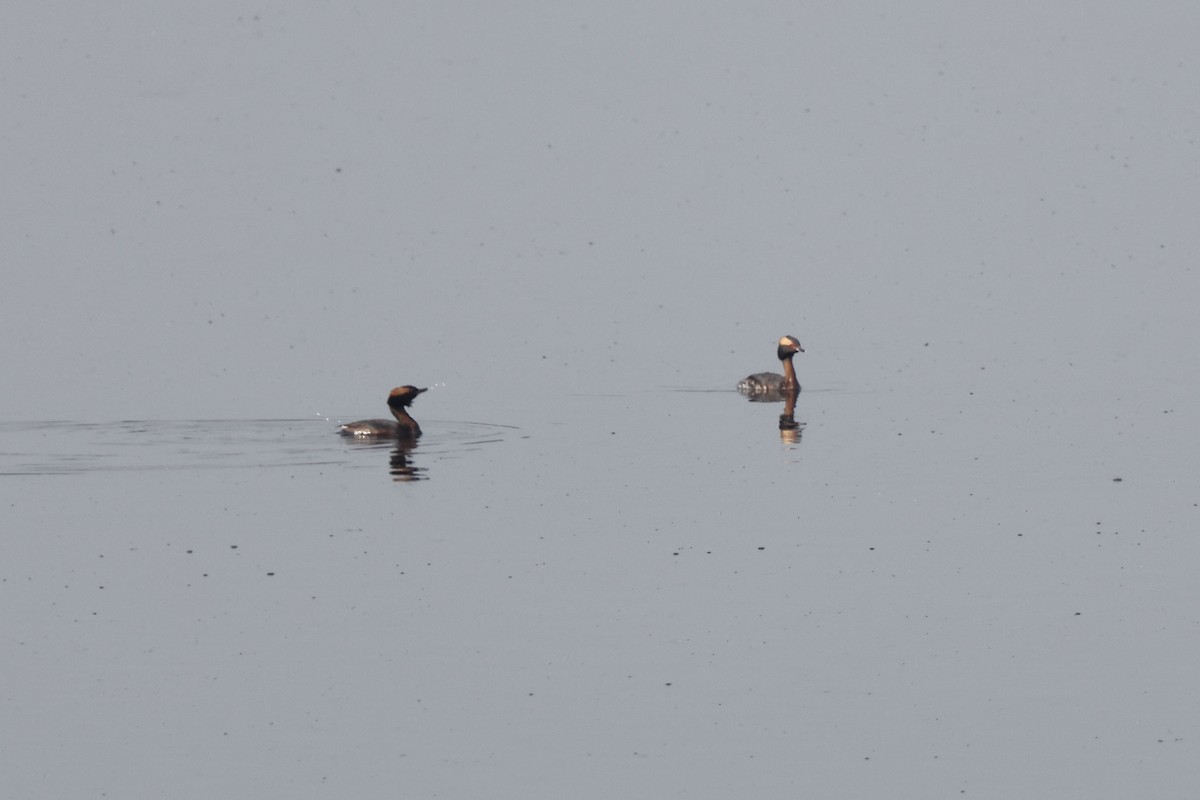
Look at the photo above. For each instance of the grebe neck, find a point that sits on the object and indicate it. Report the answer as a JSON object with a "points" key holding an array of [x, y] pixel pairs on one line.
{"points": [[789, 373], [406, 422]]}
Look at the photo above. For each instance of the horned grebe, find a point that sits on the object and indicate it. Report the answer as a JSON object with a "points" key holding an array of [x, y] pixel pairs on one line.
{"points": [[773, 384], [405, 427]]}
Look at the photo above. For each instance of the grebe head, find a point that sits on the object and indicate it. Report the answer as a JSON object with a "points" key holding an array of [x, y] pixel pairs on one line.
{"points": [[788, 347], [402, 396]]}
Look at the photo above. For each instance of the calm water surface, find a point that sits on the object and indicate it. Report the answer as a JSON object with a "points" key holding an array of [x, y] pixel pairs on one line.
{"points": [[637, 585]]}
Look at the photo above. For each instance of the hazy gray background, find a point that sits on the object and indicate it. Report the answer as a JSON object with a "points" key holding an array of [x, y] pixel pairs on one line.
{"points": [[981, 221], [281, 209]]}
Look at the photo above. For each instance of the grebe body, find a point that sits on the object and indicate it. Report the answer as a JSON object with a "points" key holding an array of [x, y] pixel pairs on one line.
{"points": [[772, 383], [404, 426]]}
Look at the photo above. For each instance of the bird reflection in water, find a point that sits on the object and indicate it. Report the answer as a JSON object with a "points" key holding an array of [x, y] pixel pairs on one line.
{"points": [[400, 456], [790, 431], [401, 469], [403, 433]]}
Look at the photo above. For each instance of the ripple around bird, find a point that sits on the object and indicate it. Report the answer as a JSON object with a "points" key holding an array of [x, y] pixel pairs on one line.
{"points": [[71, 448]]}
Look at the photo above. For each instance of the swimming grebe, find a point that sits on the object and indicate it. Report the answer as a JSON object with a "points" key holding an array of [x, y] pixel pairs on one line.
{"points": [[772, 383], [405, 427]]}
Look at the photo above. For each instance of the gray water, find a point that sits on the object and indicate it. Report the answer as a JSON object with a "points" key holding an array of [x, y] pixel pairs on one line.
{"points": [[970, 570]]}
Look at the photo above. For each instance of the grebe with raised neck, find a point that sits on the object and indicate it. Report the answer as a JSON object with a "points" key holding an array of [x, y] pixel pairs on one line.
{"points": [[405, 427], [772, 384]]}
